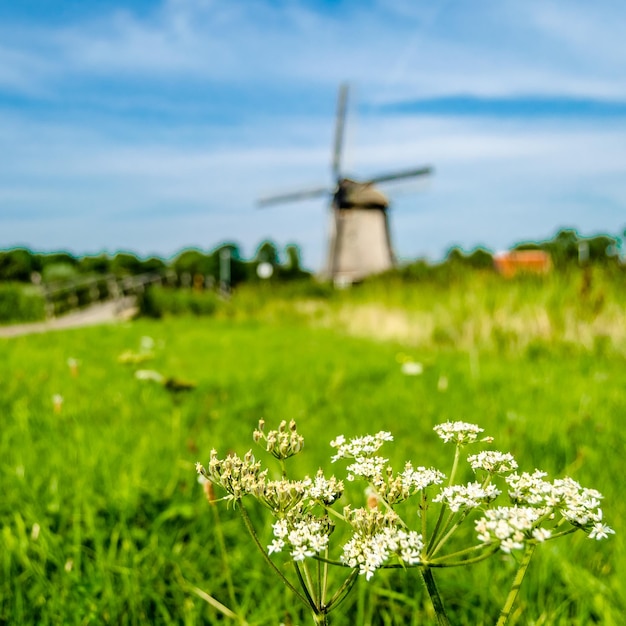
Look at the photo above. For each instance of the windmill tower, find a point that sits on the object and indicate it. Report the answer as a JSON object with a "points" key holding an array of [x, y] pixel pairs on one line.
{"points": [[360, 241]]}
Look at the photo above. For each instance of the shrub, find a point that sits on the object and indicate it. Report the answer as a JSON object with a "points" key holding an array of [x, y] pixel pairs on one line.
{"points": [[21, 303], [159, 301]]}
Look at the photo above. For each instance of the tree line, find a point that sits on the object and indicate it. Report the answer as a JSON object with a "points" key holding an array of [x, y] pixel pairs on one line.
{"points": [[24, 265], [567, 248]]}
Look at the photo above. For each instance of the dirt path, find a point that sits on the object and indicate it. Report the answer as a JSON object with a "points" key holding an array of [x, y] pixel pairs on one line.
{"points": [[101, 313]]}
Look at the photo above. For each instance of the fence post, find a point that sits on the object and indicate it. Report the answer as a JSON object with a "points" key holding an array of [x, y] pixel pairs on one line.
{"points": [[225, 271]]}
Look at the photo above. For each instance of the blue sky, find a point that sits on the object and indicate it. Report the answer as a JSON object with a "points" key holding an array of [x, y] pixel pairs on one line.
{"points": [[152, 126]]}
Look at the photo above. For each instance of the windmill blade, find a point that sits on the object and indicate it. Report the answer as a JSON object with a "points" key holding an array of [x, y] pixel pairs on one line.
{"points": [[295, 196], [339, 128], [412, 173]]}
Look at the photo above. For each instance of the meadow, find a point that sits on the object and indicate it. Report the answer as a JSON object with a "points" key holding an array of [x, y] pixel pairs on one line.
{"points": [[102, 518]]}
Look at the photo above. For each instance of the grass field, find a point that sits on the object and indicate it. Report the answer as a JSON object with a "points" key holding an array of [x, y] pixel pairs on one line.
{"points": [[102, 518]]}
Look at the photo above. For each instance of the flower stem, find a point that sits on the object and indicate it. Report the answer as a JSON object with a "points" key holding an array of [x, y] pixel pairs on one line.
{"points": [[449, 531], [569, 531], [423, 508], [431, 587], [309, 599], [320, 619], [250, 528], [448, 560], [515, 587], [224, 555], [343, 591], [323, 559], [455, 464]]}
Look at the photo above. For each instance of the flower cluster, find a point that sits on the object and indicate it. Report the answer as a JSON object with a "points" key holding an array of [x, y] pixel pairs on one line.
{"points": [[377, 538], [281, 496], [459, 432], [578, 505], [511, 526], [537, 509], [493, 462], [305, 536], [282, 443], [359, 447], [468, 496], [420, 478], [237, 476], [407, 483], [370, 468], [320, 489]]}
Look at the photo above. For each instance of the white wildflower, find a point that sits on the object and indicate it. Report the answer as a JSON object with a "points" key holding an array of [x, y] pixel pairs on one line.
{"points": [[368, 552], [468, 496], [459, 432], [421, 477], [321, 489], [359, 446], [541, 534], [600, 531], [411, 368], [510, 526], [370, 468], [276, 546], [509, 544], [493, 461], [305, 536], [528, 488], [578, 505], [395, 489]]}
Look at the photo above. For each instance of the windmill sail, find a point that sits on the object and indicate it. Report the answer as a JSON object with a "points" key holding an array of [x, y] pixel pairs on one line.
{"points": [[340, 122], [316, 192]]}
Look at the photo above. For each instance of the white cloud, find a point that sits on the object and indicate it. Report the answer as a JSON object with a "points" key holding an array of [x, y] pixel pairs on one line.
{"points": [[132, 145], [484, 48]]}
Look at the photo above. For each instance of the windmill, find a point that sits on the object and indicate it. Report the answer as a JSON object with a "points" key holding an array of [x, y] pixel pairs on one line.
{"points": [[360, 242]]}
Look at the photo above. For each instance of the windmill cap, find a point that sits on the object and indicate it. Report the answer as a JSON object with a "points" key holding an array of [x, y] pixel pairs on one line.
{"points": [[362, 195]]}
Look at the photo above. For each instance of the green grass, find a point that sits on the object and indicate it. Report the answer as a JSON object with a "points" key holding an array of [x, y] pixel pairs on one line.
{"points": [[102, 519]]}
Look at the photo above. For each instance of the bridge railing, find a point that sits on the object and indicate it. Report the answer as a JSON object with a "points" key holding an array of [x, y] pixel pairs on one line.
{"points": [[67, 295]]}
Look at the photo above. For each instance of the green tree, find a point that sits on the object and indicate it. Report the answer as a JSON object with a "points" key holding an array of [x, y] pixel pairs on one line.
{"points": [[267, 252], [193, 261], [17, 265], [153, 264], [601, 248], [95, 264], [125, 264], [480, 258], [292, 268], [455, 255], [293, 257], [563, 248]]}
